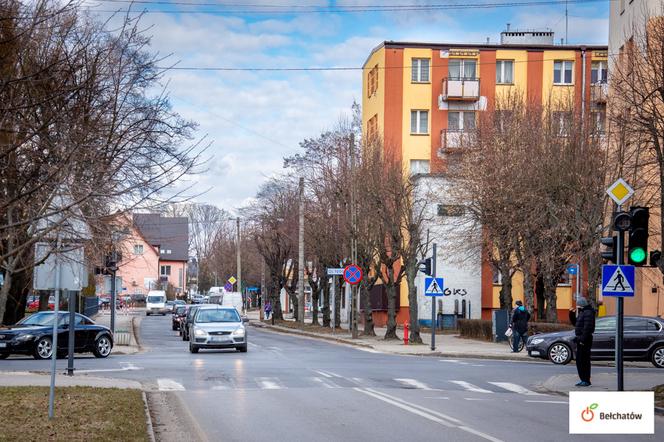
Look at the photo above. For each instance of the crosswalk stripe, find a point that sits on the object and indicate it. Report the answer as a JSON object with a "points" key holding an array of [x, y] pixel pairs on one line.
{"points": [[515, 388], [169, 385], [322, 373], [413, 383], [325, 383], [470, 387], [268, 383]]}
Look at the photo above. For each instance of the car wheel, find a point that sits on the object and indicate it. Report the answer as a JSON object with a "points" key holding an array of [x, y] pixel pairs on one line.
{"points": [[657, 357], [560, 354], [242, 349], [147, 314], [4, 355], [174, 328], [44, 348], [193, 348], [103, 347]]}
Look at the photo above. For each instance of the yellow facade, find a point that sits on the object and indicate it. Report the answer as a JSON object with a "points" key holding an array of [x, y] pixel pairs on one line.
{"points": [[557, 93], [520, 78], [416, 96], [375, 104], [564, 293]]}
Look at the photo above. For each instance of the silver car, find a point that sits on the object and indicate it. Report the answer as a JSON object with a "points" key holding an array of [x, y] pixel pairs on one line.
{"points": [[215, 326]]}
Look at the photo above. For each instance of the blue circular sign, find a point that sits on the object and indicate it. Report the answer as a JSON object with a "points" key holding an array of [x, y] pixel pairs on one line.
{"points": [[353, 274]]}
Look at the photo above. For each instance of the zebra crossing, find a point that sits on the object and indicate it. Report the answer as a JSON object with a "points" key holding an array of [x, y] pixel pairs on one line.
{"points": [[331, 380]]}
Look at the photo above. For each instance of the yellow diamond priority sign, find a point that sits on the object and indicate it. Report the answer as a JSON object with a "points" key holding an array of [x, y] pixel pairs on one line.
{"points": [[620, 191], [232, 280]]}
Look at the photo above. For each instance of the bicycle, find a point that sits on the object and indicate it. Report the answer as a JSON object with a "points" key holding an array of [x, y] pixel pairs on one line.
{"points": [[510, 342]]}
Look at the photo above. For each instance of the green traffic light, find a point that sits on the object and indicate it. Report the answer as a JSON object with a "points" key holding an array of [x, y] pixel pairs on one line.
{"points": [[637, 255]]}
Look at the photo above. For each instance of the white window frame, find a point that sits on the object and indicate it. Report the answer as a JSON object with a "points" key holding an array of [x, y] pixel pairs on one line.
{"points": [[418, 120], [603, 67], [417, 72], [462, 127], [563, 65], [462, 69], [421, 167], [139, 249], [164, 270], [501, 64]]}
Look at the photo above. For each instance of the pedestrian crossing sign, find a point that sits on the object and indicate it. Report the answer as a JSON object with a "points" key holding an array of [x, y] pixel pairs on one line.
{"points": [[433, 287], [617, 280]]}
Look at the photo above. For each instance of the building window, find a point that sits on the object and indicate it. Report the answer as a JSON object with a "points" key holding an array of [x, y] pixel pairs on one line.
{"points": [[165, 271], [419, 166], [496, 276], [419, 122], [598, 121], [599, 72], [372, 82], [463, 121], [168, 252], [505, 72], [138, 249], [502, 119], [179, 277], [419, 70], [563, 72], [462, 69], [561, 123], [372, 128], [451, 210]]}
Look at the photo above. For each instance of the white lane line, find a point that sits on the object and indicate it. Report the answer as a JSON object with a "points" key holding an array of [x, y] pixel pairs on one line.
{"points": [[268, 383], [128, 366], [336, 375], [325, 383], [470, 387], [251, 344], [548, 402], [368, 350], [476, 399], [169, 385], [220, 387], [413, 383], [478, 365], [515, 388], [274, 348], [322, 373], [448, 360], [437, 397], [440, 418]]}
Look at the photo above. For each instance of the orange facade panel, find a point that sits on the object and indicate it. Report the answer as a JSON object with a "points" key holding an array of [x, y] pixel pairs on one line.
{"points": [[392, 131]]}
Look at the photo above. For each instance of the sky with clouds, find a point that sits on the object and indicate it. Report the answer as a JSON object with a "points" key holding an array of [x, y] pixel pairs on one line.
{"points": [[255, 118]]}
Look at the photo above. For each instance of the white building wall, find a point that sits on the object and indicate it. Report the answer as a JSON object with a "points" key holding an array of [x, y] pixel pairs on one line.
{"points": [[458, 256], [624, 15]]}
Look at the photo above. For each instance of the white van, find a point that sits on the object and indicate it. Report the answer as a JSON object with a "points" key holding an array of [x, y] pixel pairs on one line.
{"points": [[155, 303], [232, 299]]}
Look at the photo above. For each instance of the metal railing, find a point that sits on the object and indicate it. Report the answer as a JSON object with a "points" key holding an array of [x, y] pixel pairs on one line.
{"points": [[461, 89], [599, 92], [455, 139]]}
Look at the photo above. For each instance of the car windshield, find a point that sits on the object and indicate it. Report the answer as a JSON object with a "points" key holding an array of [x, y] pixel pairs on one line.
{"points": [[226, 315], [43, 318], [180, 309], [155, 299]]}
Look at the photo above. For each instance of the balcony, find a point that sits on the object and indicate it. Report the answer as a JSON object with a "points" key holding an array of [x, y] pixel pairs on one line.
{"points": [[599, 93], [461, 89], [451, 140]]}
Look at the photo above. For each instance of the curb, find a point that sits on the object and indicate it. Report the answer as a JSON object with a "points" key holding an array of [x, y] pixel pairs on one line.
{"points": [[148, 418], [310, 335]]}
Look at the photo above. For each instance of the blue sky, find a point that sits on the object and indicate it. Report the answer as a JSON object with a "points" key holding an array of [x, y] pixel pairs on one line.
{"points": [[255, 118]]}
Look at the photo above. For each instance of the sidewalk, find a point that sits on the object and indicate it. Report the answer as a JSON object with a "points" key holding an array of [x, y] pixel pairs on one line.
{"points": [[564, 383], [127, 325], [23, 378]]}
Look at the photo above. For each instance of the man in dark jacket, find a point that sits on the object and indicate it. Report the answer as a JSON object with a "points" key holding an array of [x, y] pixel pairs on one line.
{"points": [[519, 324], [585, 327]]}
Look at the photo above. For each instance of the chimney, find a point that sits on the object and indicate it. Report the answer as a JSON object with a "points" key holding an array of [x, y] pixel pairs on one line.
{"points": [[508, 27], [488, 40], [562, 41]]}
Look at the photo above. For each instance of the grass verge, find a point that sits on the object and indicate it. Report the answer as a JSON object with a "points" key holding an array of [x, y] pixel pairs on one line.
{"points": [[659, 395], [81, 414]]}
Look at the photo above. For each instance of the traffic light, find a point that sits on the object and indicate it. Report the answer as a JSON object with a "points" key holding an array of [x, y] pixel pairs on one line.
{"points": [[637, 247], [425, 266], [655, 257], [610, 254]]}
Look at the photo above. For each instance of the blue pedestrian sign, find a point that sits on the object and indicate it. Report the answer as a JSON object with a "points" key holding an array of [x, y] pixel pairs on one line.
{"points": [[617, 280], [434, 287]]}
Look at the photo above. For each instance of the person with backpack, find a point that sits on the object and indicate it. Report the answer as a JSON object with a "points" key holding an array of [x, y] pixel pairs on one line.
{"points": [[519, 325], [268, 309], [583, 337]]}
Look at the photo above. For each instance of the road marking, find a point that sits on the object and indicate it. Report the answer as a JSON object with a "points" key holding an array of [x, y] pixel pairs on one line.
{"points": [[437, 397], [274, 348], [439, 418], [515, 388], [470, 387], [413, 383], [478, 365], [548, 402], [325, 383], [268, 383], [169, 385], [220, 387], [251, 344], [128, 367], [477, 399], [322, 373], [336, 375], [368, 350]]}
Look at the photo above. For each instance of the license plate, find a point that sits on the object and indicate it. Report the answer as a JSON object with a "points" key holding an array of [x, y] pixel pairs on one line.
{"points": [[219, 339], [3, 344]]}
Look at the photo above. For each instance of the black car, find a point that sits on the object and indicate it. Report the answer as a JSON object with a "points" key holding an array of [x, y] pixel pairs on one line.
{"points": [[184, 326], [33, 335], [643, 341], [179, 313]]}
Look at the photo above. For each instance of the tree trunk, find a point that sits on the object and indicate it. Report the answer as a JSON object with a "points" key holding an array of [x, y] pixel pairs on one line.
{"points": [[326, 303], [529, 295], [391, 332], [414, 338], [550, 285], [539, 293], [16, 300], [368, 313], [296, 303], [43, 301], [4, 295], [315, 296], [339, 292], [506, 292], [277, 313]]}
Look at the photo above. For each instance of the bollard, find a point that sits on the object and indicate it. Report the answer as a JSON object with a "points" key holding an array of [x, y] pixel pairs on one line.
{"points": [[405, 333]]}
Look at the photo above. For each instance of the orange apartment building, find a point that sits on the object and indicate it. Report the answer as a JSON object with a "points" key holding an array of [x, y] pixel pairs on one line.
{"points": [[423, 99]]}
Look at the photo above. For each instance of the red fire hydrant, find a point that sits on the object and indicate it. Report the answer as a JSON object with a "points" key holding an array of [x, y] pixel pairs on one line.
{"points": [[405, 333]]}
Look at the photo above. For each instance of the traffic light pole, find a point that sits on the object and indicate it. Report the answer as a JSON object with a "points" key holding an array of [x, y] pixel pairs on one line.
{"points": [[620, 258], [433, 302]]}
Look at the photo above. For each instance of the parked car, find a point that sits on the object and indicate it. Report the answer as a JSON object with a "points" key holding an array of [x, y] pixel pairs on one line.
{"points": [[33, 335], [643, 341], [197, 299], [176, 303], [215, 326], [178, 316], [169, 306], [156, 303], [184, 327]]}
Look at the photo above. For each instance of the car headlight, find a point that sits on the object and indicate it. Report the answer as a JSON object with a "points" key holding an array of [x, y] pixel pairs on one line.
{"points": [[239, 332], [24, 338], [200, 332], [536, 341]]}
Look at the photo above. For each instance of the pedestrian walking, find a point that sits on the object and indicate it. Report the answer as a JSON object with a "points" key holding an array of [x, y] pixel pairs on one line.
{"points": [[519, 324], [583, 337], [268, 309]]}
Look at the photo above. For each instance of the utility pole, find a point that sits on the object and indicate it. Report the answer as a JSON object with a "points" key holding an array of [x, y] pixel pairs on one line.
{"points": [[54, 351], [353, 240], [566, 27], [300, 256], [433, 300], [620, 258], [261, 306], [239, 259]]}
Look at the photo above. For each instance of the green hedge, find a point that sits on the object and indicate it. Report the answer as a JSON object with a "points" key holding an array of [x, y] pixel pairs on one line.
{"points": [[482, 329]]}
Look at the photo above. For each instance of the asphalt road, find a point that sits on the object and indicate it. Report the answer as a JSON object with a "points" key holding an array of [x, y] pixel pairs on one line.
{"points": [[289, 388]]}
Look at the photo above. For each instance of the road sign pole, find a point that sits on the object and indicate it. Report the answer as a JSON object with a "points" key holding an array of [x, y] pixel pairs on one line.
{"points": [[433, 302], [72, 321], [620, 313], [54, 338], [334, 295]]}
